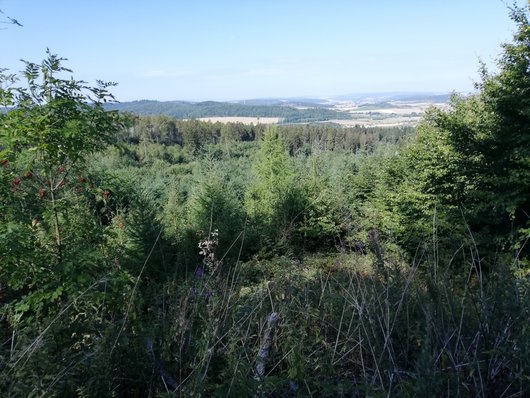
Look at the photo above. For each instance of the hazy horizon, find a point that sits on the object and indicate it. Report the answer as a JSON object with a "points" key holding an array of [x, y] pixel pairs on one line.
{"points": [[236, 50], [338, 98]]}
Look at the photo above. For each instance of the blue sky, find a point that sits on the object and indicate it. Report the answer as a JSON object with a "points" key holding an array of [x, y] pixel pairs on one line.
{"points": [[221, 50]]}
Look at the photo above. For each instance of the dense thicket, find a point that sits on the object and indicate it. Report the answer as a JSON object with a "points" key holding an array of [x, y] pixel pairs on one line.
{"points": [[146, 256], [473, 162]]}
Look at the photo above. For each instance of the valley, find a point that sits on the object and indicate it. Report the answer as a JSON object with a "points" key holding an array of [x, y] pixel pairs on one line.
{"points": [[370, 110]]}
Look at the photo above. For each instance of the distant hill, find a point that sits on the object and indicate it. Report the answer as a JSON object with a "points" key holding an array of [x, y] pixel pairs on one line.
{"points": [[294, 102], [359, 98], [286, 111], [370, 98]]}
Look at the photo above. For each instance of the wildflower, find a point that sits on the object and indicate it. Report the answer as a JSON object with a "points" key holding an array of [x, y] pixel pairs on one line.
{"points": [[199, 272]]}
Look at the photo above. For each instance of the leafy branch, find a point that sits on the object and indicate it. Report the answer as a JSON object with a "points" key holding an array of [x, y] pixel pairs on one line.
{"points": [[10, 21]]}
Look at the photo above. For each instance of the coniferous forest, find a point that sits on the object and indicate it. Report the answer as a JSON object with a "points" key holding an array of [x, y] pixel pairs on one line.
{"points": [[147, 256]]}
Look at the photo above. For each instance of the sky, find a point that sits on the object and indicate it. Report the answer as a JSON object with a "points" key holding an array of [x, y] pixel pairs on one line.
{"points": [[241, 49]]}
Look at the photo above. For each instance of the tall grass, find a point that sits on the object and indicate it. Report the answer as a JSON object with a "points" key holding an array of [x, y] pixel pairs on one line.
{"points": [[346, 328], [331, 325]]}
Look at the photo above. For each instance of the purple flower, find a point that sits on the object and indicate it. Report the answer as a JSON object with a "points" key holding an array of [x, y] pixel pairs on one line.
{"points": [[199, 272]]}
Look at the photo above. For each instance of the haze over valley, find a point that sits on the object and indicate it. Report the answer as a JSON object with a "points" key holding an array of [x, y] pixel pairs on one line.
{"points": [[371, 109]]}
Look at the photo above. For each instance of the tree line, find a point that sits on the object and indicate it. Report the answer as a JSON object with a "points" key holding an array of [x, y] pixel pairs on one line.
{"points": [[195, 110], [196, 135]]}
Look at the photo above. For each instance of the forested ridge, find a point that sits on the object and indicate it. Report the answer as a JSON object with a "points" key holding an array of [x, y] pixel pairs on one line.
{"points": [[196, 110], [142, 255]]}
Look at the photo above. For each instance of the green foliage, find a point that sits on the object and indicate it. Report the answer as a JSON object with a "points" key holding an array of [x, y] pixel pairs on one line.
{"points": [[53, 245], [325, 218], [273, 200], [484, 140], [305, 138], [397, 200], [195, 136], [59, 120], [215, 205], [53, 125]]}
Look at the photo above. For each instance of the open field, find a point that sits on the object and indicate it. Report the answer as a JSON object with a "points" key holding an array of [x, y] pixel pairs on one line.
{"points": [[388, 114], [244, 120], [382, 122]]}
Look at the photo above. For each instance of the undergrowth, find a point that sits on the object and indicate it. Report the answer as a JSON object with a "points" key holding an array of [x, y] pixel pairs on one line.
{"points": [[345, 328]]}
